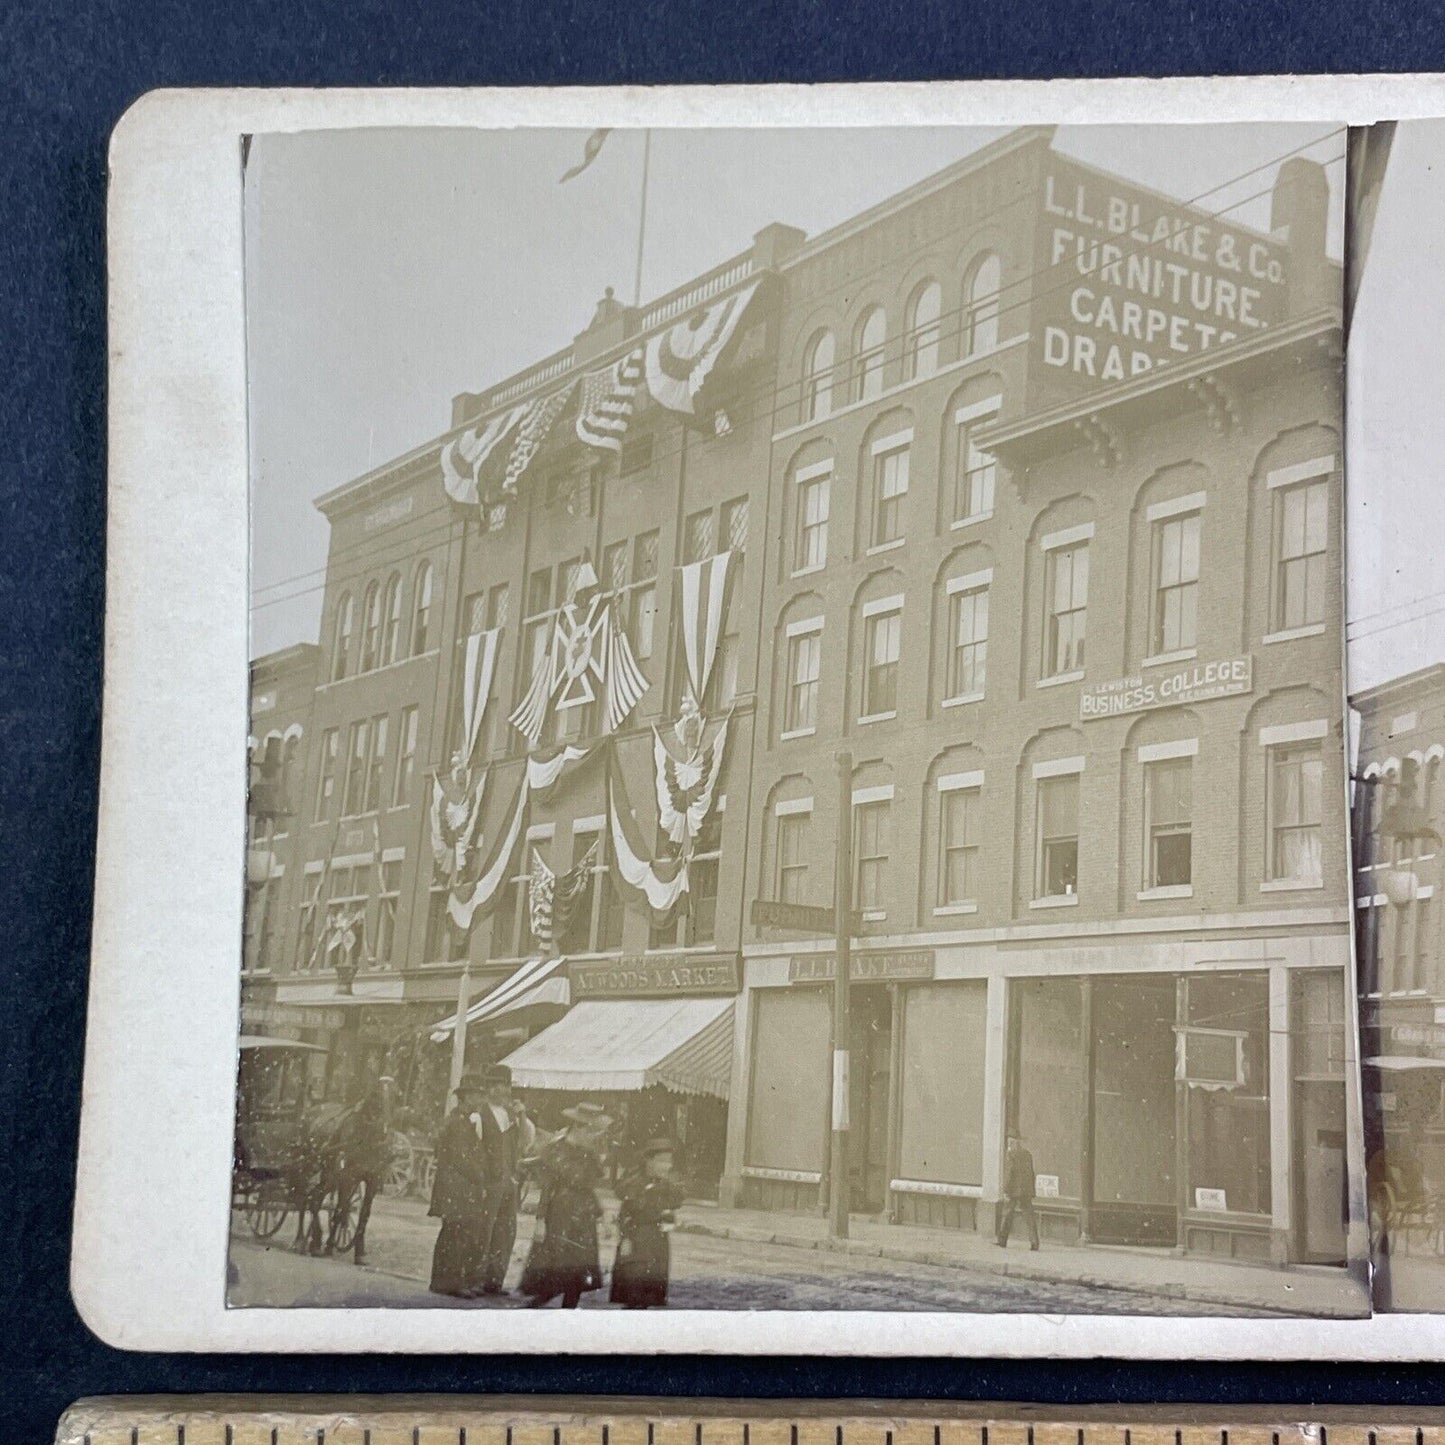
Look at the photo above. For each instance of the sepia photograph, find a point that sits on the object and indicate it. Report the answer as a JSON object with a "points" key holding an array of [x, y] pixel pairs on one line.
{"points": [[1397, 698], [797, 733]]}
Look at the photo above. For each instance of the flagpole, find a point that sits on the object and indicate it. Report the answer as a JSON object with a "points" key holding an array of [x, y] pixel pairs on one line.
{"points": [[642, 218]]}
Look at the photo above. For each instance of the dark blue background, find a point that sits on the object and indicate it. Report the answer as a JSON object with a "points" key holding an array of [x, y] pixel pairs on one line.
{"points": [[69, 71]]}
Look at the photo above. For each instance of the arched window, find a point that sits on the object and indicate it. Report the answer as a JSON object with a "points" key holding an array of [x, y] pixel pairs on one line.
{"points": [[290, 768], [924, 312], [371, 628], [391, 619], [421, 610], [980, 321], [341, 642], [818, 376], [868, 355]]}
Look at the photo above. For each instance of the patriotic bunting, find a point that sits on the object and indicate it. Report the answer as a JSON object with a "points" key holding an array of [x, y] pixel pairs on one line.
{"points": [[661, 887], [686, 786], [456, 817], [479, 665], [464, 457], [542, 771], [551, 901], [606, 405], [704, 593], [477, 898], [539, 418], [680, 359]]}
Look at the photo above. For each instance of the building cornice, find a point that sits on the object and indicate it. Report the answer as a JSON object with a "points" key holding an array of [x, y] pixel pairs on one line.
{"points": [[1422, 680]]}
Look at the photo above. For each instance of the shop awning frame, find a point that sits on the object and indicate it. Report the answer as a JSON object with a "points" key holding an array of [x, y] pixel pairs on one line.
{"points": [[538, 981], [626, 1045]]}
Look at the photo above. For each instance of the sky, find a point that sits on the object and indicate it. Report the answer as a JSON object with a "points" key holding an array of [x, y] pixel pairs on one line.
{"points": [[388, 270]]}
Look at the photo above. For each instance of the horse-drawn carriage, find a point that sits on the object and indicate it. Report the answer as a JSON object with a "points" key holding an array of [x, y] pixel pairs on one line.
{"points": [[290, 1155]]}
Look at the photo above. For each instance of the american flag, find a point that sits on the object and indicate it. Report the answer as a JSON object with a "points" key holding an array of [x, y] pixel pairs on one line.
{"points": [[606, 407]]}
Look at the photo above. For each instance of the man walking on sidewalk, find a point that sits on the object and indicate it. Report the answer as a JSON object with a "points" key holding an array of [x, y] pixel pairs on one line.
{"points": [[1018, 1189]]}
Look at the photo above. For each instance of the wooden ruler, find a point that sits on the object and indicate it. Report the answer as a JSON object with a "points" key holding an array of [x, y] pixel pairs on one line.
{"points": [[460, 1420]]}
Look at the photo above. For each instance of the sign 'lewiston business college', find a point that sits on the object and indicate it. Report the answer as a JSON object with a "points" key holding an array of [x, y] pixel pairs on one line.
{"points": [[1129, 280], [1190, 682]]}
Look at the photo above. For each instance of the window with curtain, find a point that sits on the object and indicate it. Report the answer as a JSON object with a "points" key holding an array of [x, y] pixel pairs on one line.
{"points": [[1300, 569], [870, 855], [1296, 810], [805, 654], [1058, 846], [1169, 809], [811, 549], [890, 487], [958, 846], [1068, 602], [1176, 583], [968, 643], [882, 644]]}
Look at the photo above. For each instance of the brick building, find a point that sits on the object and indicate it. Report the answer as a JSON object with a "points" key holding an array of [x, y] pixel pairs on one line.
{"points": [[1399, 820], [1044, 592]]}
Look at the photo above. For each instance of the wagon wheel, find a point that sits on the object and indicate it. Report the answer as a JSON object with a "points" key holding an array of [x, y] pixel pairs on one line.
{"points": [[400, 1165], [342, 1234], [266, 1208]]}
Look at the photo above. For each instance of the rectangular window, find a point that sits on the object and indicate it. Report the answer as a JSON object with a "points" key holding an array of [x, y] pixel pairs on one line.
{"points": [[1420, 975], [1068, 601], [698, 537], [577, 936], [968, 642], [326, 784], [375, 765], [722, 686], [644, 596], [1058, 855], [1176, 583], [406, 758], [497, 606], [870, 855], [890, 486], [1296, 801], [958, 848], [567, 579], [1303, 512], [474, 615], [699, 925], [792, 876], [310, 922], [358, 745], [609, 906], [539, 591], [390, 896], [811, 550], [805, 655], [615, 572], [883, 639], [975, 474], [1169, 809], [735, 524]]}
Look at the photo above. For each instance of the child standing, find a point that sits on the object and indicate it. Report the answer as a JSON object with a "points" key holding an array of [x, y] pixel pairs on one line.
{"points": [[650, 1199]]}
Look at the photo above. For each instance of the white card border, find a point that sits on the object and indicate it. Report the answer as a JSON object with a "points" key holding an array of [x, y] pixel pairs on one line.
{"points": [[152, 1190]]}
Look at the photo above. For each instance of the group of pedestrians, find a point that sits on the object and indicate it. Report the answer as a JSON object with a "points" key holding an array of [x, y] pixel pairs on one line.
{"points": [[484, 1146]]}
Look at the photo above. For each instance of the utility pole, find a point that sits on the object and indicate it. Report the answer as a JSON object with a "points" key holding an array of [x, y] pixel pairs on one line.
{"points": [[459, 1034], [842, 928]]}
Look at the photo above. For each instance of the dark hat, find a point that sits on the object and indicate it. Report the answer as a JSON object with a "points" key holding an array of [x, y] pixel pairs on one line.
{"points": [[658, 1146], [471, 1082], [497, 1074], [593, 1115]]}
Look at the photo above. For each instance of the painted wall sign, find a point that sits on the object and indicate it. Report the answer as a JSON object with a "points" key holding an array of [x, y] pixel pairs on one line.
{"points": [[1190, 682], [655, 975], [1134, 280], [1211, 1199], [388, 514], [290, 1016], [863, 967]]}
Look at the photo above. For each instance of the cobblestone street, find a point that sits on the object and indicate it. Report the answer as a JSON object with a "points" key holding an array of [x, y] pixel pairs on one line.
{"points": [[708, 1273]]}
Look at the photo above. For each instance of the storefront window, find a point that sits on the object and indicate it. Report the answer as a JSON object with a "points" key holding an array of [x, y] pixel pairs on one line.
{"points": [[1229, 1163], [1047, 1077], [941, 1110], [788, 1100]]}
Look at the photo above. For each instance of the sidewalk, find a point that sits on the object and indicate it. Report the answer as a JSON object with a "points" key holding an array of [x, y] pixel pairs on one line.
{"points": [[1411, 1283], [1297, 1290]]}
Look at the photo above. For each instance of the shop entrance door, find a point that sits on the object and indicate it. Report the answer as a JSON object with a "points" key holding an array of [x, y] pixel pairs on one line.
{"points": [[1133, 1111], [871, 1067]]}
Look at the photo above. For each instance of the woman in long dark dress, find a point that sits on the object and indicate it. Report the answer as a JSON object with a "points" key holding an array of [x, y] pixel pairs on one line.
{"points": [[564, 1258], [650, 1199]]}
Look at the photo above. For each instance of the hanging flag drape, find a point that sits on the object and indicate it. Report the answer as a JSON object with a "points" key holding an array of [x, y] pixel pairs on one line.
{"points": [[590, 657], [660, 886], [542, 771], [686, 786], [456, 817], [591, 148], [475, 899], [680, 359], [478, 668], [704, 597], [551, 901], [605, 409], [540, 416], [464, 457]]}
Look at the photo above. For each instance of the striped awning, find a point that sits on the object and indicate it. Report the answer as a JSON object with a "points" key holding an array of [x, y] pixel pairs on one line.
{"points": [[538, 981], [623, 1045]]}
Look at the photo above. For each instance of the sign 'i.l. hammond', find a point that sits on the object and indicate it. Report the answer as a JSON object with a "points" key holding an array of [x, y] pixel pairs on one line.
{"points": [[1190, 682]]}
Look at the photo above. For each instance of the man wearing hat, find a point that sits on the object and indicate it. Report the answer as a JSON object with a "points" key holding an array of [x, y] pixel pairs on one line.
{"points": [[458, 1196], [503, 1144]]}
